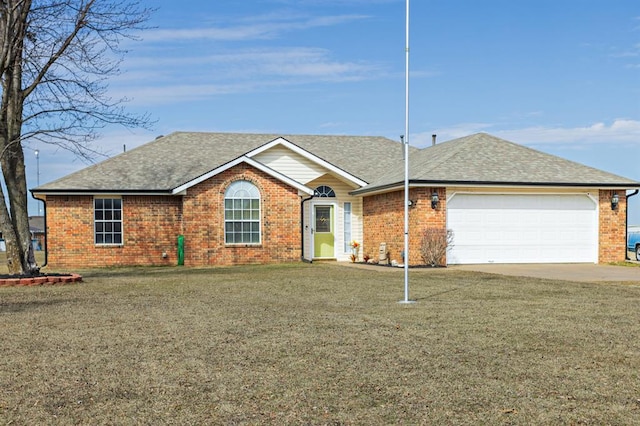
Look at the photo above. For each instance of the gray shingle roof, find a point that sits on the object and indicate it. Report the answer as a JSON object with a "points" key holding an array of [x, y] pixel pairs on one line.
{"points": [[174, 160], [484, 159]]}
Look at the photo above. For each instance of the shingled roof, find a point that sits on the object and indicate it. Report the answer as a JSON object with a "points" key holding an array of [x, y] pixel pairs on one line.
{"points": [[176, 159], [485, 159], [172, 161]]}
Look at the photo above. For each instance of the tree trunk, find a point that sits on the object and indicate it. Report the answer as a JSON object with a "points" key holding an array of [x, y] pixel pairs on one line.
{"points": [[14, 262], [17, 234], [15, 219]]}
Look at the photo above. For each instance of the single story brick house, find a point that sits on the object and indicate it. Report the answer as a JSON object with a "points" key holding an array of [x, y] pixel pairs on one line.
{"points": [[265, 198]]}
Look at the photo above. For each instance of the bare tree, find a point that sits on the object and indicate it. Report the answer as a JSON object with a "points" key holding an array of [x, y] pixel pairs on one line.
{"points": [[55, 59]]}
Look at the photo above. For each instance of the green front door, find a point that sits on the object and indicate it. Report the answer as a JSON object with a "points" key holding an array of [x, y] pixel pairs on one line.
{"points": [[323, 232]]}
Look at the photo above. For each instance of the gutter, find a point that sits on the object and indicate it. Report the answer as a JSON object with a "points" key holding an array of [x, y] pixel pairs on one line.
{"points": [[74, 192], [302, 227], [626, 226], [494, 184], [46, 233]]}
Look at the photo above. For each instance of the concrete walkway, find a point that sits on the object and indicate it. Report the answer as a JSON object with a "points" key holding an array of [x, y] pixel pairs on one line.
{"points": [[585, 272], [581, 272]]}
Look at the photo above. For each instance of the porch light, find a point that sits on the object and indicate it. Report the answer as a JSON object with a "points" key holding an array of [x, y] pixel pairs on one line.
{"points": [[614, 201], [434, 200]]}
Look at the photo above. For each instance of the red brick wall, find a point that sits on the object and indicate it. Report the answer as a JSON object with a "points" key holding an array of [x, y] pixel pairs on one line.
{"points": [[384, 222], [612, 228], [151, 225], [204, 221]]}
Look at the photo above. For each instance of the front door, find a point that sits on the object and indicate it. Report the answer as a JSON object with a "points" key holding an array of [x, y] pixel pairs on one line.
{"points": [[323, 240]]}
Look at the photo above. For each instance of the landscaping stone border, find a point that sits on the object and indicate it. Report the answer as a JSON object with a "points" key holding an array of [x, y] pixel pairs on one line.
{"points": [[41, 280]]}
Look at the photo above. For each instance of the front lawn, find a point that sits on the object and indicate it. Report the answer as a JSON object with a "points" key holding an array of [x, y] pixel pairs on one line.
{"points": [[318, 344]]}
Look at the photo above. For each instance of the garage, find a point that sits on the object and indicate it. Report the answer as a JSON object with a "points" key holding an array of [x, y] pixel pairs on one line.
{"points": [[522, 228]]}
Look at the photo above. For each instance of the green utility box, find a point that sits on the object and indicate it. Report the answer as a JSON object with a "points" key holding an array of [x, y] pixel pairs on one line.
{"points": [[180, 250]]}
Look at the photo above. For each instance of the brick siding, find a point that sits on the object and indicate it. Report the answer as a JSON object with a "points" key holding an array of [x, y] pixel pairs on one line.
{"points": [[612, 230], [204, 221], [384, 222], [151, 225]]}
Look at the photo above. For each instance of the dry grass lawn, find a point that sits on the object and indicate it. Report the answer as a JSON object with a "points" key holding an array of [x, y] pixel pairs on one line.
{"points": [[39, 255], [319, 344]]}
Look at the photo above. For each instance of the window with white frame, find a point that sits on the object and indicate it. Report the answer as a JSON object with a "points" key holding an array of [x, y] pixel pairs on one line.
{"points": [[324, 191], [242, 213], [347, 227], [107, 219]]}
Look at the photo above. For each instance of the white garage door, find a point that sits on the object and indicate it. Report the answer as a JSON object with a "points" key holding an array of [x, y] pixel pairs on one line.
{"points": [[522, 228]]}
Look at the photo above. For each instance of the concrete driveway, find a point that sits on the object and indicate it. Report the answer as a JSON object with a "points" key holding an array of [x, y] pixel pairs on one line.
{"points": [[585, 272]]}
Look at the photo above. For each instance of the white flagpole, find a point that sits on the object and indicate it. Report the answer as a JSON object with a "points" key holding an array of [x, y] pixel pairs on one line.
{"points": [[406, 166]]}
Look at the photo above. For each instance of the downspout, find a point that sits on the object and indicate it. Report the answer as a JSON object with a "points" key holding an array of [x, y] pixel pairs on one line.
{"points": [[46, 236], [302, 228], [626, 226]]}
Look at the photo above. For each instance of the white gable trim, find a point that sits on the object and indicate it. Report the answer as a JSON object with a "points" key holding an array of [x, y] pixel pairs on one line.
{"points": [[251, 162], [308, 155]]}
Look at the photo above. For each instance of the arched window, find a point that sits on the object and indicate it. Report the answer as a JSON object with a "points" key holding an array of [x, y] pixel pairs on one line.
{"points": [[324, 191], [242, 213]]}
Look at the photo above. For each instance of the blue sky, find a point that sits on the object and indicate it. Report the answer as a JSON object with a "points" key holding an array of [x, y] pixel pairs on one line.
{"points": [[561, 76]]}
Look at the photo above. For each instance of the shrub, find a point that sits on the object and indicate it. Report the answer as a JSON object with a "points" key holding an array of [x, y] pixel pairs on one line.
{"points": [[434, 245]]}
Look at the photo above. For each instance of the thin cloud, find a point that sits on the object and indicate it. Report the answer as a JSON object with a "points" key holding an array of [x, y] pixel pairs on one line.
{"points": [[175, 93], [334, 2], [255, 28], [219, 34], [301, 62], [619, 131], [150, 81], [630, 52], [625, 131], [626, 54]]}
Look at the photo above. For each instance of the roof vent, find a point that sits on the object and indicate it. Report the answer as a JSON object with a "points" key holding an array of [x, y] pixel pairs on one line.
{"points": [[433, 139]]}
